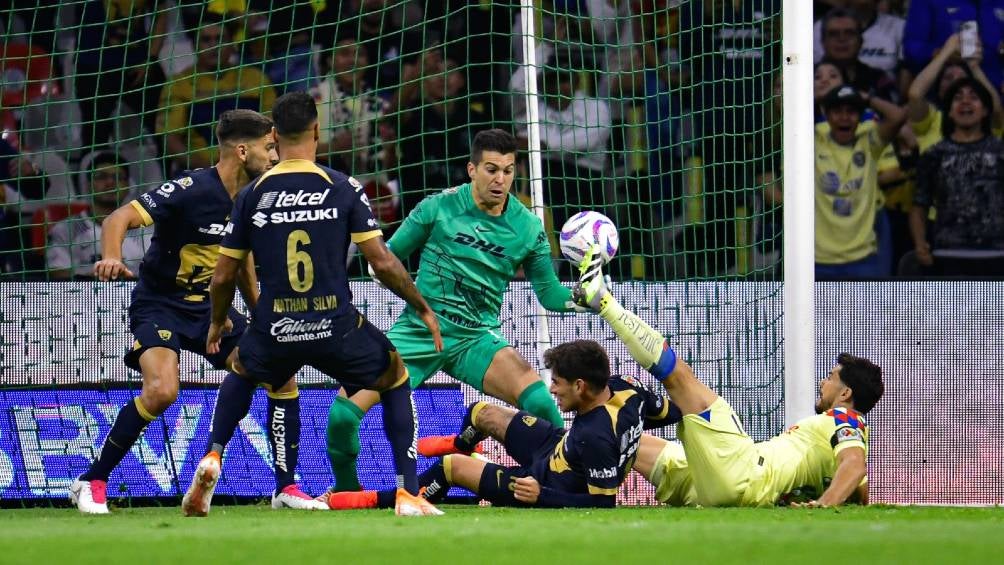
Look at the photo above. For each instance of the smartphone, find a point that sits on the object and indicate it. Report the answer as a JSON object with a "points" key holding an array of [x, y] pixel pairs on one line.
{"points": [[968, 37]]}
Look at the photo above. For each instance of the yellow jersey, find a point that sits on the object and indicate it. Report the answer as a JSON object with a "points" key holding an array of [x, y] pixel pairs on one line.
{"points": [[801, 461], [847, 195]]}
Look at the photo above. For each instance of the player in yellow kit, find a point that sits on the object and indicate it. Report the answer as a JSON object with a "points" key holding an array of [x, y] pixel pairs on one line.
{"points": [[820, 461]]}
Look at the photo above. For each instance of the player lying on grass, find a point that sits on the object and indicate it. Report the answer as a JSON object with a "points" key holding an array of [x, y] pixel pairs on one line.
{"points": [[582, 466], [298, 220], [170, 302], [474, 238], [822, 457]]}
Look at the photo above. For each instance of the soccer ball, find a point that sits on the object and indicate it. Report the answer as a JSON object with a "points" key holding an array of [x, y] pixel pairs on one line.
{"points": [[586, 229]]}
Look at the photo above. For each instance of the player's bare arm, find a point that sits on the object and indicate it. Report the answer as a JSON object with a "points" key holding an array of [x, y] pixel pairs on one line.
{"points": [[113, 233], [389, 271], [851, 470], [221, 295], [247, 283]]}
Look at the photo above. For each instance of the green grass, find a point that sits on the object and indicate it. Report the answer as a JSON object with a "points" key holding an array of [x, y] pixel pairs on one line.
{"points": [[483, 536]]}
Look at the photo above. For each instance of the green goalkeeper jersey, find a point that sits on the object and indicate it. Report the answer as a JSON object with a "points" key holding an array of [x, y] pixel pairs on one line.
{"points": [[468, 257]]}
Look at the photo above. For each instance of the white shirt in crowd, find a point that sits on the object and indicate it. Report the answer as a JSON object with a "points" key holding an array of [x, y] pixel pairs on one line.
{"points": [[581, 131], [881, 43], [75, 244]]}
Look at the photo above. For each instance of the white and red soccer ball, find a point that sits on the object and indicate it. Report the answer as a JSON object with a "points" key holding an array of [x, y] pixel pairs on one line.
{"points": [[585, 229]]}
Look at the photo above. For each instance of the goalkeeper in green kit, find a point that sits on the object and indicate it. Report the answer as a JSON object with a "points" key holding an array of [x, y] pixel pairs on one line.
{"points": [[473, 238]]}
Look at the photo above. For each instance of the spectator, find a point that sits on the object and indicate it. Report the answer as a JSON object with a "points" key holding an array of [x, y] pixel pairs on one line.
{"points": [[929, 23], [962, 176], [74, 244], [434, 138], [574, 138], [826, 76], [354, 137], [278, 42], [847, 191], [731, 44], [842, 46], [881, 40], [117, 59], [944, 70], [378, 27], [191, 102]]}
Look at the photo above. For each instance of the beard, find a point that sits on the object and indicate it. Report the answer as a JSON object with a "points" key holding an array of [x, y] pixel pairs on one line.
{"points": [[820, 408]]}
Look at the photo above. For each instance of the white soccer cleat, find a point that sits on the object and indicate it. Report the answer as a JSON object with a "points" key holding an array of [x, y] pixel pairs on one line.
{"points": [[407, 504], [89, 496], [293, 497], [200, 494]]}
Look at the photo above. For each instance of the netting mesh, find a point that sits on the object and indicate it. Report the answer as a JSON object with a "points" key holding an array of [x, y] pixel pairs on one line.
{"points": [[660, 113]]}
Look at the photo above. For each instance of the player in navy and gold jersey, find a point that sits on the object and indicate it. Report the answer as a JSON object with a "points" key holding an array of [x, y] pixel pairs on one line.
{"points": [[298, 220], [170, 303], [579, 467], [822, 457]]}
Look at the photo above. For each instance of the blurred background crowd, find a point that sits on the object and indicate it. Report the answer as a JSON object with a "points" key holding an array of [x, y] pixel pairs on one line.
{"points": [[664, 114]]}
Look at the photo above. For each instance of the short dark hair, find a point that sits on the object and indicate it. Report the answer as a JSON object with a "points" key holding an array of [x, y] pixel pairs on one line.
{"points": [[241, 125], [106, 158], [947, 123], [497, 140], [837, 13], [580, 359], [864, 378], [294, 113]]}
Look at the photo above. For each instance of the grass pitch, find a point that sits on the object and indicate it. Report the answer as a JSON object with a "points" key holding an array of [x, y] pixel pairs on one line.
{"points": [[467, 534]]}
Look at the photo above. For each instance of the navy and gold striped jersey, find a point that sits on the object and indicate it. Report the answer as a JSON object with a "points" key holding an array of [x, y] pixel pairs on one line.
{"points": [[298, 219], [600, 447], [189, 215]]}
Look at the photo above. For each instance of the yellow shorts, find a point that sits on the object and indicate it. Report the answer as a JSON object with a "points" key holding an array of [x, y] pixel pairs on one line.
{"points": [[722, 458], [674, 485]]}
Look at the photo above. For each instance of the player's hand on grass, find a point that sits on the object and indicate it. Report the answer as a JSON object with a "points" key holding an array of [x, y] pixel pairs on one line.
{"points": [[807, 504], [215, 335], [112, 269], [526, 489]]}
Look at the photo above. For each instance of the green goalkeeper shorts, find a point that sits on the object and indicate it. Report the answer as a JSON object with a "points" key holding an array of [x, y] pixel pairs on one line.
{"points": [[466, 355]]}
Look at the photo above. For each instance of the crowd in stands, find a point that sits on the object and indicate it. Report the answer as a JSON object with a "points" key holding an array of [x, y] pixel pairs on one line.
{"points": [[664, 114]]}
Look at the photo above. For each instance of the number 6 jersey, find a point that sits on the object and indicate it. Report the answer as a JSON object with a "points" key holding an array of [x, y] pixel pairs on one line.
{"points": [[298, 220]]}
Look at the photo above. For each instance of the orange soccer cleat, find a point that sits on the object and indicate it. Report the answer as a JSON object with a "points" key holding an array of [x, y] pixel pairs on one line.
{"points": [[438, 446], [352, 499], [407, 504]]}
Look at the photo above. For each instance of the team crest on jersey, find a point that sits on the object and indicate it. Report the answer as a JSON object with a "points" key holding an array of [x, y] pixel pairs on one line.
{"points": [[845, 417], [529, 420], [164, 334], [185, 182], [858, 158]]}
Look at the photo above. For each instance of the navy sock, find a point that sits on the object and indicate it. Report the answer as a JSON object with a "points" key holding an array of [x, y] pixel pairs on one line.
{"points": [[284, 434], [125, 431], [232, 403], [386, 498], [469, 436], [399, 425], [435, 483]]}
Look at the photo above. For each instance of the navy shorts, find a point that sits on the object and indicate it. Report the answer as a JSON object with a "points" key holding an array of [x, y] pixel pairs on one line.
{"points": [[529, 439], [156, 324], [350, 350]]}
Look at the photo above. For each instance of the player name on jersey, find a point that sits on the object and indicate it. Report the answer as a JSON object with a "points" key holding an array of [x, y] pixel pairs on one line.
{"points": [[303, 304]]}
